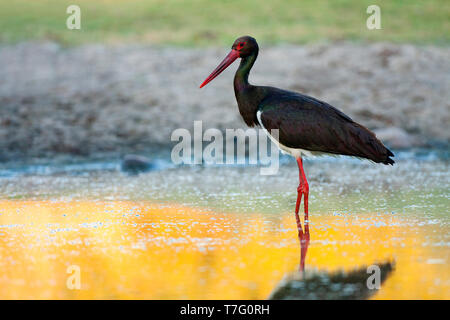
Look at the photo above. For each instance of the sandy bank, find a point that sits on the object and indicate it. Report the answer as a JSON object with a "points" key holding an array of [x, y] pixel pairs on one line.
{"points": [[115, 100]]}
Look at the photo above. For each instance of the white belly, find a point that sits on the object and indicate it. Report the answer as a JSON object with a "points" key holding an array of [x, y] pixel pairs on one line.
{"points": [[296, 153]]}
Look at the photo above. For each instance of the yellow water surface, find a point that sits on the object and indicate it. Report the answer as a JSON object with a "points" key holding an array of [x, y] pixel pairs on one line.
{"points": [[143, 250]]}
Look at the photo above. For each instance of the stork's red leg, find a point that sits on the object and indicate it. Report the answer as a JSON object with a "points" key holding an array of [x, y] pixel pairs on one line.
{"points": [[299, 200], [302, 190], [300, 186]]}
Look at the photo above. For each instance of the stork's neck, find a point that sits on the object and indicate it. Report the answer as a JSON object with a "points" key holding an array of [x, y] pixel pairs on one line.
{"points": [[241, 76], [247, 95]]}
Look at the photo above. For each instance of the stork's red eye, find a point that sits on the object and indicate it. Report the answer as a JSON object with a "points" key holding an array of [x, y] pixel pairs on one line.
{"points": [[240, 45]]}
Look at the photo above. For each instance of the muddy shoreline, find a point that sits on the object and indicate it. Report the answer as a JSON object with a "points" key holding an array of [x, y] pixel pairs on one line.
{"points": [[107, 101]]}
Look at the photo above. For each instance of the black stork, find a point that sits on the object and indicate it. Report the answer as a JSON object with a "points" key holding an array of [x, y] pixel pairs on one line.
{"points": [[306, 126]]}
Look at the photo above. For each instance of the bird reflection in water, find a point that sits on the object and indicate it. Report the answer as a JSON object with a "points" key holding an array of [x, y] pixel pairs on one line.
{"points": [[303, 237], [320, 285]]}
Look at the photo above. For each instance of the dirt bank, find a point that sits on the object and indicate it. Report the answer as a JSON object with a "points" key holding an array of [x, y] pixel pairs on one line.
{"points": [[114, 100]]}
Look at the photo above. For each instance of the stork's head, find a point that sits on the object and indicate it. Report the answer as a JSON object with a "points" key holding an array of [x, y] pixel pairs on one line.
{"points": [[241, 48]]}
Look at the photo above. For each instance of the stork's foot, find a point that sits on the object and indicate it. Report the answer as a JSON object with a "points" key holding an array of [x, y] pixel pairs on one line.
{"points": [[302, 190]]}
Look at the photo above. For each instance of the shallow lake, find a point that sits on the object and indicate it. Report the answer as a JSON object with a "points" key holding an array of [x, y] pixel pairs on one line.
{"points": [[226, 232]]}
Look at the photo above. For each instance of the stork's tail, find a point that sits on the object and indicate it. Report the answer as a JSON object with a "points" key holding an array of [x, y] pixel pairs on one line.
{"points": [[388, 160]]}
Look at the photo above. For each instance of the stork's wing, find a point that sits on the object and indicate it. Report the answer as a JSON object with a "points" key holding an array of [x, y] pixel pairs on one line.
{"points": [[307, 123]]}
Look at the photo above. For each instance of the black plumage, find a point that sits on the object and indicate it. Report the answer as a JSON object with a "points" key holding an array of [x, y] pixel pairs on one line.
{"points": [[310, 124], [303, 122]]}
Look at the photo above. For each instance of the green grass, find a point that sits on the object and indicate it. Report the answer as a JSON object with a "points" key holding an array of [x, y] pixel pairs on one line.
{"points": [[213, 22]]}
